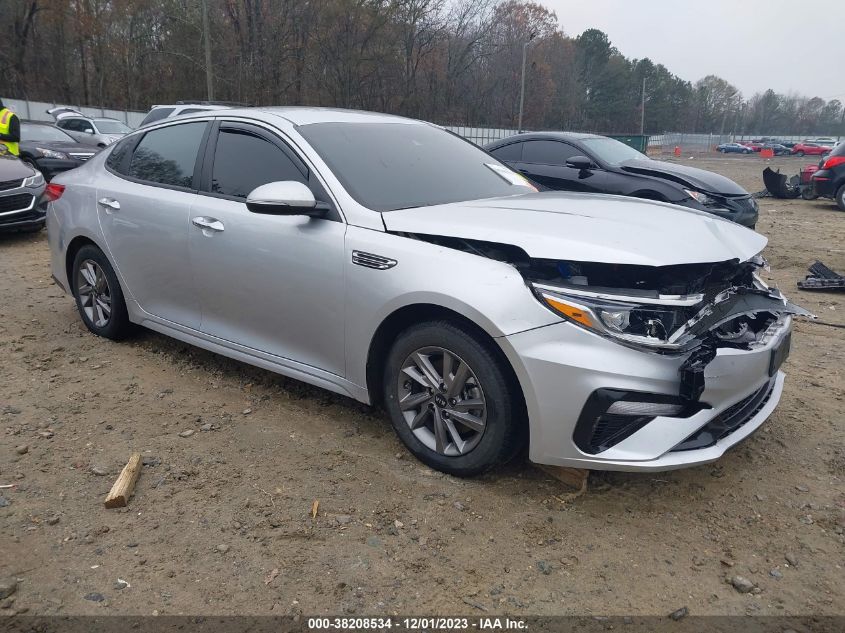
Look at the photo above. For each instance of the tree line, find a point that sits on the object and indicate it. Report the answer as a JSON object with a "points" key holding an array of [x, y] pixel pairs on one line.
{"points": [[455, 62]]}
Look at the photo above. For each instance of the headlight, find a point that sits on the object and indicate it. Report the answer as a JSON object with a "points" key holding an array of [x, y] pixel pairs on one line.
{"points": [[51, 153], [34, 181], [637, 321], [703, 198]]}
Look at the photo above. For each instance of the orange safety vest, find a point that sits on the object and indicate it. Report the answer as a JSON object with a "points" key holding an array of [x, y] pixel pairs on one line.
{"points": [[5, 120]]}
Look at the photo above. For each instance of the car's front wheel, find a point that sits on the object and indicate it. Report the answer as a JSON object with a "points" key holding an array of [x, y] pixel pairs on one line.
{"points": [[799, 154], [451, 400], [99, 297]]}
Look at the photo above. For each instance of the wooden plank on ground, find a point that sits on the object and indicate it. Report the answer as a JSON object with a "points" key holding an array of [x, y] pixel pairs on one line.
{"points": [[575, 478], [120, 492]]}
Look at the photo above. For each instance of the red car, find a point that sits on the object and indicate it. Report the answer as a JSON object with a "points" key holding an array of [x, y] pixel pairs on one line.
{"points": [[753, 145], [799, 149]]}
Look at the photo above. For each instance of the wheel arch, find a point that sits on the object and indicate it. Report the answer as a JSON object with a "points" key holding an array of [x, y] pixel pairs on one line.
{"points": [[401, 319], [73, 248]]}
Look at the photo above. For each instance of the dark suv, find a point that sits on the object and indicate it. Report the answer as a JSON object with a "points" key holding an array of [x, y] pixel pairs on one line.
{"points": [[829, 181]]}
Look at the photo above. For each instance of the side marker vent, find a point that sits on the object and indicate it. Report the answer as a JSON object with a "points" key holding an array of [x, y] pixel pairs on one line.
{"points": [[369, 260]]}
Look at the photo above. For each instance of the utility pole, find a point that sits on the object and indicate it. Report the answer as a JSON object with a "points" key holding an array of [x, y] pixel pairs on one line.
{"points": [[206, 36], [642, 110], [522, 85]]}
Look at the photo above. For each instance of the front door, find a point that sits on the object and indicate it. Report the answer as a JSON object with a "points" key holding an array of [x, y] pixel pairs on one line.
{"points": [[271, 283], [143, 203]]}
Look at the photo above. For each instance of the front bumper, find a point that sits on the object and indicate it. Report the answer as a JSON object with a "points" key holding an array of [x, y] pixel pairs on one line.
{"points": [[22, 208], [560, 366], [744, 210]]}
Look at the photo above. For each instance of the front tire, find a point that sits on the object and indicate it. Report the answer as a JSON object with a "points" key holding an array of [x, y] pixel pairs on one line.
{"points": [[99, 298], [451, 400], [799, 154]]}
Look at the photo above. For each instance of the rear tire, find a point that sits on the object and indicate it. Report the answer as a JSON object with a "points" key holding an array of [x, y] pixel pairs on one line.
{"points": [[99, 298], [840, 198], [471, 420]]}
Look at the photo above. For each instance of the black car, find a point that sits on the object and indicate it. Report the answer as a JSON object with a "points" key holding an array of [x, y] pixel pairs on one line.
{"points": [[778, 149], [50, 150], [21, 188], [592, 163], [829, 181]]}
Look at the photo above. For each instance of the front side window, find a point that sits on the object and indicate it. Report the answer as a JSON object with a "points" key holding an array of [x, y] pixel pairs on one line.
{"points": [[168, 155], [547, 152], [390, 166], [111, 126], [244, 161]]}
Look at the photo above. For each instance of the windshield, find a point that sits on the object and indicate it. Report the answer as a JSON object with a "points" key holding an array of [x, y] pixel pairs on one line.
{"points": [[110, 126], [390, 166], [45, 133], [611, 151]]}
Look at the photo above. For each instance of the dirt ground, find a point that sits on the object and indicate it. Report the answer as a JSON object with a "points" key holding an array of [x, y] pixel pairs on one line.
{"points": [[221, 520]]}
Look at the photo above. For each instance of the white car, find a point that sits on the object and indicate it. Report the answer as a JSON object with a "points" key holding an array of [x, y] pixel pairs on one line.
{"points": [[96, 131], [392, 261], [159, 112]]}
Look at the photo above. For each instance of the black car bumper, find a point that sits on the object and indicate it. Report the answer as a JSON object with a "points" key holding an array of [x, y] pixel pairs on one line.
{"points": [[742, 210], [53, 166], [825, 183], [21, 212]]}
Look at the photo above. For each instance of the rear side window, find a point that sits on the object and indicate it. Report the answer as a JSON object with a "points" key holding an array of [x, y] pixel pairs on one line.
{"points": [[547, 152], [116, 160], [156, 115], [244, 161], [191, 110], [512, 152], [167, 156]]}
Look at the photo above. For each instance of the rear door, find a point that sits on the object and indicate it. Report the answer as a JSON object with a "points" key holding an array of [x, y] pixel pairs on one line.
{"points": [[544, 162], [271, 283], [144, 200]]}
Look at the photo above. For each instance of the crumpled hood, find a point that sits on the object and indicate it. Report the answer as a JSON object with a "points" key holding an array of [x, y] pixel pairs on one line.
{"points": [[587, 227], [691, 177]]}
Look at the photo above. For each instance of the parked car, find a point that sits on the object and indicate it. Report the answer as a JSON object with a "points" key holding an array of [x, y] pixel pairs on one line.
{"points": [[20, 193], [777, 148], [733, 148], [828, 141], [96, 131], [810, 149], [829, 180], [754, 146], [597, 164], [390, 260], [159, 112], [51, 150]]}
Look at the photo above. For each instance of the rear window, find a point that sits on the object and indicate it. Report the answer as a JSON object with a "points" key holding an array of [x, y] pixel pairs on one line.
{"points": [[167, 156], [157, 115]]}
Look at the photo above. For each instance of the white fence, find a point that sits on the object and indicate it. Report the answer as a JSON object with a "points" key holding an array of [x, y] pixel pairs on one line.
{"points": [[37, 111]]}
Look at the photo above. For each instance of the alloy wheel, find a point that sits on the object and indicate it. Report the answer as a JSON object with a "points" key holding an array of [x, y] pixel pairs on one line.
{"points": [[442, 401], [94, 293]]}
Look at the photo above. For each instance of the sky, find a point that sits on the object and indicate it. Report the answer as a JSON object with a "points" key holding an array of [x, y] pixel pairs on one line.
{"points": [[786, 45]]}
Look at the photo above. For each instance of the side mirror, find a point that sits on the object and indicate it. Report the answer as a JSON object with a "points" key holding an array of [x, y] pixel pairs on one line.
{"points": [[287, 197], [89, 130], [579, 162]]}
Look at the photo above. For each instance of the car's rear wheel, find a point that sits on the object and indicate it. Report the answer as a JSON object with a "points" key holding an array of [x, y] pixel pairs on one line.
{"points": [[450, 399], [840, 198], [99, 297]]}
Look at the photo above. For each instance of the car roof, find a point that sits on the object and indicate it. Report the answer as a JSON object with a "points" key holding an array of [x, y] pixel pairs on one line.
{"points": [[306, 115], [547, 136]]}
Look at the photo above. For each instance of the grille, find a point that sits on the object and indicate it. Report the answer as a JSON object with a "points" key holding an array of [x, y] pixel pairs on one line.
{"points": [[24, 216], [612, 429], [15, 203], [728, 421], [10, 184]]}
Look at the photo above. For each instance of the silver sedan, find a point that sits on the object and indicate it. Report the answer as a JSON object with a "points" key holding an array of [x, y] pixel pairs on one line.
{"points": [[391, 261]]}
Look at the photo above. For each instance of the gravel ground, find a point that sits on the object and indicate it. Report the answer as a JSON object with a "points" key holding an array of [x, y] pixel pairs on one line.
{"points": [[235, 457]]}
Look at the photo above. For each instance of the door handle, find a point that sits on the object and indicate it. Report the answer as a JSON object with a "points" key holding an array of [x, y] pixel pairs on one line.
{"points": [[109, 203], [208, 224]]}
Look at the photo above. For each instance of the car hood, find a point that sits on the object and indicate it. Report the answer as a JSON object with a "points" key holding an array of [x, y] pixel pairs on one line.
{"points": [[586, 227], [60, 146], [11, 168], [691, 177]]}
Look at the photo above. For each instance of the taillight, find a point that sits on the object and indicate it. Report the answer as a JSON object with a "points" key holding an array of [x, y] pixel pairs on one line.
{"points": [[53, 192], [833, 161]]}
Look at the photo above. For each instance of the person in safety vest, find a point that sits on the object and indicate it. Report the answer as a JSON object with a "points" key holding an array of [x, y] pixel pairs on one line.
{"points": [[10, 129]]}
